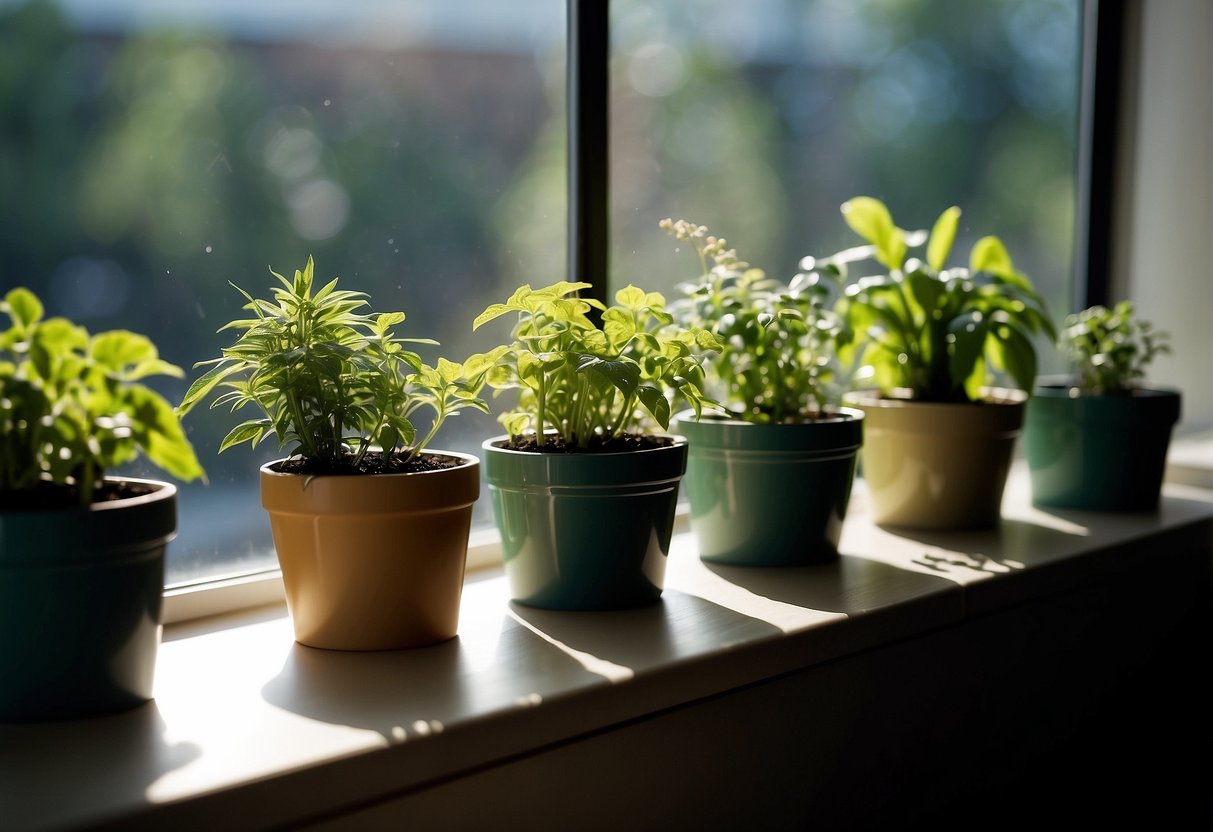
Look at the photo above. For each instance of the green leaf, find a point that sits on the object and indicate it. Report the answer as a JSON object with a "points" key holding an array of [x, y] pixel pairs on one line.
{"points": [[655, 402], [1012, 350], [480, 362], [562, 288], [618, 324], [990, 255], [387, 320], [967, 334], [23, 307], [926, 290], [250, 431], [943, 235], [631, 298], [496, 310], [623, 373], [870, 219], [449, 370], [117, 349]]}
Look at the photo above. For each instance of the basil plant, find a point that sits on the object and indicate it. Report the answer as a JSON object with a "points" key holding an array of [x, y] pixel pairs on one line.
{"points": [[74, 407], [584, 386]]}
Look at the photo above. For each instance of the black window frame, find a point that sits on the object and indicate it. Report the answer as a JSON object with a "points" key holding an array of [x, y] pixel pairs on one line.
{"points": [[1099, 143]]}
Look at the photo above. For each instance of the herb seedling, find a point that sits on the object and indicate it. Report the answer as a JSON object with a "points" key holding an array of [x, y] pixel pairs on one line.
{"points": [[778, 357], [331, 379], [1111, 348], [592, 386]]}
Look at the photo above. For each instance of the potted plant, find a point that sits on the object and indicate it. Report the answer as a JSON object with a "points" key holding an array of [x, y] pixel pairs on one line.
{"points": [[370, 525], [585, 481], [769, 478], [1098, 439], [81, 548], [950, 358]]}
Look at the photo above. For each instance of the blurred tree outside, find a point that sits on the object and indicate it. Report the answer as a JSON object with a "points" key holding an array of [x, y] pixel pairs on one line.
{"points": [[142, 170], [145, 165]]}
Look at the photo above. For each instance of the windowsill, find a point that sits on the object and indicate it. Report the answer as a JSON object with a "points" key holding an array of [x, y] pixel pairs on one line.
{"points": [[1190, 460], [246, 724]]}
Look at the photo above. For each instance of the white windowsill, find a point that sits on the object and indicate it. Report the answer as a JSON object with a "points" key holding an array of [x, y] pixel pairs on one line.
{"points": [[247, 724]]}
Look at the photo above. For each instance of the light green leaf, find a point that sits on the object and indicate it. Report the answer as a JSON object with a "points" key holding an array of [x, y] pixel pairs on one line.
{"points": [[990, 255], [23, 307], [943, 235], [870, 219], [496, 310], [251, 431], [631, 298]]}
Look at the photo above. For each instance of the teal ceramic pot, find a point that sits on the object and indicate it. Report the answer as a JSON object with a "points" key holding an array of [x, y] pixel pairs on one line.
{"points": [[586, 531], [1103, 453], [770, 495], [80, 599]]}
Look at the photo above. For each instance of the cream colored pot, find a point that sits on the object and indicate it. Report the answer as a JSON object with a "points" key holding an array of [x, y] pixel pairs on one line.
{"points": [[376, 561], [938, 466]]}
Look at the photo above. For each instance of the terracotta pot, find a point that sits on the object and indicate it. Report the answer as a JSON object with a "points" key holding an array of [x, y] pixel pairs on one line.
{"points": [[1102, 453], [770, 495], [80, 598], [376, 561], [585, 531], [939, 466]]}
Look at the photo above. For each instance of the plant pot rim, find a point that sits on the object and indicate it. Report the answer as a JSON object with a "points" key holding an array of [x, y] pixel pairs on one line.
{"points": [[466, 459], [86, 533], [491, 445], [1064, 387], [1000, 396], [837, 415], [162, 490], [373, 493]]}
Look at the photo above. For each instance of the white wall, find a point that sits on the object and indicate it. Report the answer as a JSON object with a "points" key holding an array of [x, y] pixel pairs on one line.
{"points": [[1164, 256]]}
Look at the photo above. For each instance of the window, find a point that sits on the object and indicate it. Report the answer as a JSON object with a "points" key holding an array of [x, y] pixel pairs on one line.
{"points": [[150, 153], [760, 119]]}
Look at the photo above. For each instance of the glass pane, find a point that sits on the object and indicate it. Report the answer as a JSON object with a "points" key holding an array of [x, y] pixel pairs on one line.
{"points": [[760, 119], [151, 153]]}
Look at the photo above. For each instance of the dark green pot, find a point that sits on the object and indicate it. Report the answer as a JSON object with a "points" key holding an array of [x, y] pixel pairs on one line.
{"points": [[1105, 453], [80, 598], [585, 531], [770, 495]]}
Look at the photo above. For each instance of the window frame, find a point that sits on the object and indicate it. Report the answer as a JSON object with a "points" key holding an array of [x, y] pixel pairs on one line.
{"points": [[1102, 28]]}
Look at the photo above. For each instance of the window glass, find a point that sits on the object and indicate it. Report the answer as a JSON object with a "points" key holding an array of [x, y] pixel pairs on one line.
{"points": [[151, 153], [760, 119]]}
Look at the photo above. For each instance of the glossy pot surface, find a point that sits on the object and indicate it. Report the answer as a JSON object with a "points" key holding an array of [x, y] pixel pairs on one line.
{"points": [[81, 591], [375, 561], [939, 466], [1103, 453], [585, 531], [770, 495]]}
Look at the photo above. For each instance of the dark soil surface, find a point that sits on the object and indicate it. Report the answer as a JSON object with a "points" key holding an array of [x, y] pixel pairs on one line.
{"points": [[597, 445], [372, 463], [48, 497]]}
